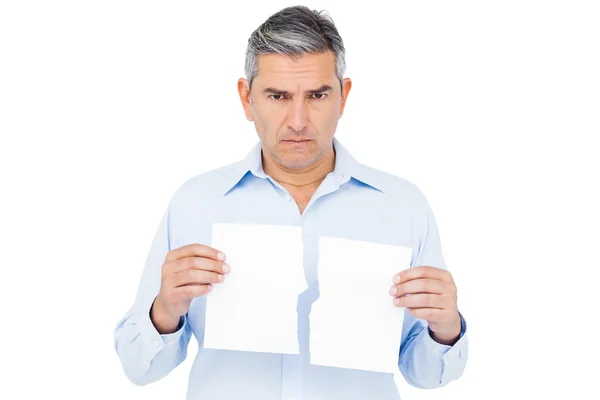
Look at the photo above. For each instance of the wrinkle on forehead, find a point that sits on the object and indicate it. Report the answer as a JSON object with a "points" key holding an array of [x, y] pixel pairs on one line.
{"points": [[277, 70]]}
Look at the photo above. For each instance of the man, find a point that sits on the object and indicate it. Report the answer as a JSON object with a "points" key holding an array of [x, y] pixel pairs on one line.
{"points": [[297, 175]]}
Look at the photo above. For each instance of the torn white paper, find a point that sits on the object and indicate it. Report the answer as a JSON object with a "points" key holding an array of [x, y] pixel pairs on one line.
{"points": [[353, 323], [255, 308]]}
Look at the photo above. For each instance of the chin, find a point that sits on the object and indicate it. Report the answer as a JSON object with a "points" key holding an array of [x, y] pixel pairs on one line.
{"points": [[296, 162], [293, 157]]}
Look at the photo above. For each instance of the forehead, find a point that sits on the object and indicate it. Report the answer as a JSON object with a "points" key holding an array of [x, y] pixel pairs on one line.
{"points": [[309, 69]]}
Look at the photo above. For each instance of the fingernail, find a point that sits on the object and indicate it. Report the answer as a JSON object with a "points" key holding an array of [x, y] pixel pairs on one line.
{"points": [[393, 290], [220, 278], [209, 287], [226, 268], [396, 301], [397, 278], [221, 256]]}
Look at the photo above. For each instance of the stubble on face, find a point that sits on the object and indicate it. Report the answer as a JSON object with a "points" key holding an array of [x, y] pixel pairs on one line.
{"points": [[286, 108]]}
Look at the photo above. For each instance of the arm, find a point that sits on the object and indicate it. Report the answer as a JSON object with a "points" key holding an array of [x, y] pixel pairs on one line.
{"points": [[423, 362], [147, 356]]}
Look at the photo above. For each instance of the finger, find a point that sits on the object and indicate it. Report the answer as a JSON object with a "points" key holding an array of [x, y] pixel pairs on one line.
{"points": [[420, 301], [419, 286], [429, 314], [191, 291], [195, 250], [200, 263], [196, 277], [423, 272]]}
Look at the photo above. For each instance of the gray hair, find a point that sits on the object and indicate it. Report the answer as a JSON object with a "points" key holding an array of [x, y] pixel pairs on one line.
{"points": [[295, 31]]}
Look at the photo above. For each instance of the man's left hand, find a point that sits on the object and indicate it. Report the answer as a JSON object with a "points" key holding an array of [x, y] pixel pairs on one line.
{"points": [[432, 297]]}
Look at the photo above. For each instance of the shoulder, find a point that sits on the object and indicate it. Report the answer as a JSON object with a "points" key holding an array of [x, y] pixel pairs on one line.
{"points": [[396, 187], [207, 185]]}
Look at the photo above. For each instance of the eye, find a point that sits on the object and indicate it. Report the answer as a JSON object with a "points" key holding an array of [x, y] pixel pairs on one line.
{"points": [[280, 97], [320, 96]]}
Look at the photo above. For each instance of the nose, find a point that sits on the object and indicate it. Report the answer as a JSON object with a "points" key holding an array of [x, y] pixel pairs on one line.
{"points": [[298, 116]]}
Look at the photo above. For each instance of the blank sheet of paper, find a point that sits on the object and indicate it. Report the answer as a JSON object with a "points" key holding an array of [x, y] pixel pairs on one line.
{"points": [[255, 307], [353, 323]]}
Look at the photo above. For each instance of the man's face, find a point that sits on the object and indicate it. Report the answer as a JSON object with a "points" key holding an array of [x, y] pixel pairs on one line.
{"points": [[295, 106]]}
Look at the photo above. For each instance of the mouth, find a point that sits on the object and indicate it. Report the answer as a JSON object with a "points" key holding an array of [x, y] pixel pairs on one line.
{"points": [[297, 140]]}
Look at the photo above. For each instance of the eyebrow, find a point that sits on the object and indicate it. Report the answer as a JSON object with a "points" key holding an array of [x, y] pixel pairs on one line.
{"points": [[274, 91]]}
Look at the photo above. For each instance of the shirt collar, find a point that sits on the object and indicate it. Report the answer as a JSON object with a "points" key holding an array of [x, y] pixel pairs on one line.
{"points": [[346, 167]]}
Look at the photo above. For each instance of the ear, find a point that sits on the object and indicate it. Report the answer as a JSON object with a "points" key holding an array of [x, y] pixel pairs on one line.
{"points": [[347, 85], [244, 93]]}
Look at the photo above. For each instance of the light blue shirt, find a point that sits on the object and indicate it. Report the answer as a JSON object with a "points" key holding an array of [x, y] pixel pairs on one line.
{"points": [[354, 202]]}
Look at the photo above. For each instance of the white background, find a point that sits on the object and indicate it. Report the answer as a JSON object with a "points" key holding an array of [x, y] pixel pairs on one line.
{"points": [[491, 108]]}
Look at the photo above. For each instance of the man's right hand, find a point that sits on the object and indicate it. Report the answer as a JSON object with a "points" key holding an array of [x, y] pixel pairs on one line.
{"points": [[187, 272]]}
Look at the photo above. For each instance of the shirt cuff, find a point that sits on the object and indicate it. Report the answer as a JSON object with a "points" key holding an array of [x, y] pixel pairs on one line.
{"points": [[443, 350], [152, 341]]}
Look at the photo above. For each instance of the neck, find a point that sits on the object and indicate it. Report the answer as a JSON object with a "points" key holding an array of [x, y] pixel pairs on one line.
{"points": [[306, 177]]}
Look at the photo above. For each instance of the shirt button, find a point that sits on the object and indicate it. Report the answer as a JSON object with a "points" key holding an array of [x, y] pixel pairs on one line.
{"points": [[292, 398], [155, 343]]}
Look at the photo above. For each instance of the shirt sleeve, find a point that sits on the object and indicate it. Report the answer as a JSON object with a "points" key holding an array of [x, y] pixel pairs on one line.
{"points": [[423, 362], [147, 356]]}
